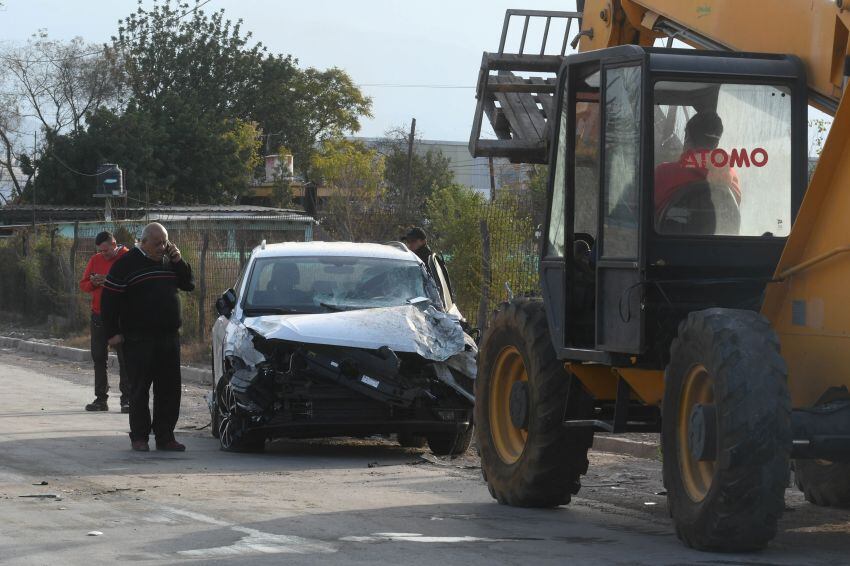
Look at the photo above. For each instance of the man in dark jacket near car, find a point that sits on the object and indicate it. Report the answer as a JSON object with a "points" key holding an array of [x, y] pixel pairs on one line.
{"points": [[417, 241], [141, 310]]}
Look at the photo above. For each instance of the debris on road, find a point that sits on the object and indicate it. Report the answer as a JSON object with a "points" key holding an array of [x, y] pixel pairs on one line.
{"points": [[42, 496]]}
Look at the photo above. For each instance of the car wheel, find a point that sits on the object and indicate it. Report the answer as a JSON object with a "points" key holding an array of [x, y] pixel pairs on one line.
{"points": [[408, 440], [450, 443], [233, 432], [214, 418], [824, 483]]}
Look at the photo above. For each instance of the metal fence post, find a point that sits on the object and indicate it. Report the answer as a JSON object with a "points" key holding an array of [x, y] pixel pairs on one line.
{"points": [[72, 291], [202, 311], [486, 276]]}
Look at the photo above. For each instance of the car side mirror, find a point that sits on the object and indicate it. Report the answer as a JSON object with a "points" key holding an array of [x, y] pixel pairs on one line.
{"points": [[225, 304]]}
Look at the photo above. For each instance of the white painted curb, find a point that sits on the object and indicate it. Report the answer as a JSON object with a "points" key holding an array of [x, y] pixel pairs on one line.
{"points": [[195, 375]]}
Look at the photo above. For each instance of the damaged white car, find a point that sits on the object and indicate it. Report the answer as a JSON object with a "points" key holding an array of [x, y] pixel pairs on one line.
{"points": [[340, 339]]}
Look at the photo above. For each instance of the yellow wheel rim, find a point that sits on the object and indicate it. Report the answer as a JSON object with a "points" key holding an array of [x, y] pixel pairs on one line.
{"points": [[508, 440], [697, 476]]}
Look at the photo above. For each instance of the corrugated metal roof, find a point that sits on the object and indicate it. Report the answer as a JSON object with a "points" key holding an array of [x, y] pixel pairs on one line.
{"points": [[21, 214], [218, 208]]}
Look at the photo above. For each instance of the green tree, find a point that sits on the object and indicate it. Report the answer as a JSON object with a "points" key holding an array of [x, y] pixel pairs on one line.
{"points": [[168, 56], [458, 216], [455, 213], [207, 58], [429, 170], [354, 174], [54, 85], [183, 161], [329, 105], [299, 109], [201, 101], [538, 188]]}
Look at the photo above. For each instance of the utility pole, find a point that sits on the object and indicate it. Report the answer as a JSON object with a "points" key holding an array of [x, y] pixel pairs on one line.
{"points": [[408, 188], [34, 146]]}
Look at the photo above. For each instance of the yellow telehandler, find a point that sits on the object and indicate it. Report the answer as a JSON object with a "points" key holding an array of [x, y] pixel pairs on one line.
{"points": [[694, 281]]}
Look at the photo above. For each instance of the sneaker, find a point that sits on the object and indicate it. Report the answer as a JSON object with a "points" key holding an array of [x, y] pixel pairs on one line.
{"points": [[97, 405], [171, 446], [140, 445], [125, 407]]}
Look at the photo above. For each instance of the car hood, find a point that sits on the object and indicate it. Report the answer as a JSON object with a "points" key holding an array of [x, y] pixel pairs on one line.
{"points": [[432, 334]]}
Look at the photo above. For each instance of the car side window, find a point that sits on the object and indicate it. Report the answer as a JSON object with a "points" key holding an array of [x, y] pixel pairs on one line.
{"points": [[437, 270]]}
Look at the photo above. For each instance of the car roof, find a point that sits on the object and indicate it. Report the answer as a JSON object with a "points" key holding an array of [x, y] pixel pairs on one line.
{"points": [[395, 250]]}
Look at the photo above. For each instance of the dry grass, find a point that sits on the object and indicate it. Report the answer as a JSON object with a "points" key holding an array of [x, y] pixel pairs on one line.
{"points": [[78, 341], [195, 354], [191, 353]]}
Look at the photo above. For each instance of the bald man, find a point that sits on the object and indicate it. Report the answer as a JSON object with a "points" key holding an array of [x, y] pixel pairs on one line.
{"points": [[141, 310]]}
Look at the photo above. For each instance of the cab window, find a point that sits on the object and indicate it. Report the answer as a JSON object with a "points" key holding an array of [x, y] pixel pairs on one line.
{"points": [[722, 159]]}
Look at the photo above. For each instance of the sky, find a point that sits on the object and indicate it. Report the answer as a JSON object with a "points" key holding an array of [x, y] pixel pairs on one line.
{"points": [[433, 43]]}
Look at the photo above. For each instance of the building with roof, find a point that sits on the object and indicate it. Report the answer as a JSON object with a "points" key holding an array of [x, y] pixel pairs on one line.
{"points": [[89, 220], [470, 171]]}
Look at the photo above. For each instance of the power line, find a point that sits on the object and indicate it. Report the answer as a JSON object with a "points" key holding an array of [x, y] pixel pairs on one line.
{"points": [[394, 85], [93, 52], [69, 168]]}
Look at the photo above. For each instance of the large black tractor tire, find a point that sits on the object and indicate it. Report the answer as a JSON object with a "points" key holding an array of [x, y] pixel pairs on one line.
{"points": [[528, 459], [451, 443], [726, 431], [824, 483], [233, 432]]}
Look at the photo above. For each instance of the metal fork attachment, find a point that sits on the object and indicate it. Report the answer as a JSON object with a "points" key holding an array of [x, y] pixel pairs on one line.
{"points": [[518, 106]]}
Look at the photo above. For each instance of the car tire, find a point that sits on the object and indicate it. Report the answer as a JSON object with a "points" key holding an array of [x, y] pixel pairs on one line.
{"points": [[214, 418], [826, 484], [726, 396], [450, 443], [408, 440]]}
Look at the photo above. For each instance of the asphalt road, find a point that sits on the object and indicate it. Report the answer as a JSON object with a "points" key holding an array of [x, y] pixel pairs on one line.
{"points": [[338, 502]]}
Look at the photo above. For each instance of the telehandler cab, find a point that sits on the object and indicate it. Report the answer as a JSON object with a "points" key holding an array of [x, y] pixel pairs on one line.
{"points": [[675, 176]]}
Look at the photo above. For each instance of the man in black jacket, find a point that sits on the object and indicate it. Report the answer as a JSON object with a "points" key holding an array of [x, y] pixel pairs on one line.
{"points": [[417, 241], [141, 309]]}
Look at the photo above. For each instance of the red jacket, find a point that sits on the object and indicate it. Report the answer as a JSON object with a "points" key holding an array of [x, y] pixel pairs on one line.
{"points": [[670, 176], [100, 265]]}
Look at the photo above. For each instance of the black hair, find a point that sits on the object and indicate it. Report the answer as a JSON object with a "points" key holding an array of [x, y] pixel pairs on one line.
{"points": [[704, 129], [104, 236], [415, 233]]}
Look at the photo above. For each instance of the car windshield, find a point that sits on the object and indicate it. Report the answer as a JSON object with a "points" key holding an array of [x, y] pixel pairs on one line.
{"points": [[283, 285]]}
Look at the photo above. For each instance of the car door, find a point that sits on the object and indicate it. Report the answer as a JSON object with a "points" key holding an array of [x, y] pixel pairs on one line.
{"points": [[437, 268]]}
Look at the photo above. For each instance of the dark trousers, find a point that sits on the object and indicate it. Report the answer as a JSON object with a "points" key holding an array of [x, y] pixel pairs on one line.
{"points": [[154, 360], [100, 355]]}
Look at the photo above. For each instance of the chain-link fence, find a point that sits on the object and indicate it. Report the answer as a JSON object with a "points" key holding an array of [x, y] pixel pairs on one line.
{"points": [[40, 268], [490, 250], [490, 247]]}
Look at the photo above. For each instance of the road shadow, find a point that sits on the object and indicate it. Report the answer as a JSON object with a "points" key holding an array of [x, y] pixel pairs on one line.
{"points": [[473, 533], [84, 455]]}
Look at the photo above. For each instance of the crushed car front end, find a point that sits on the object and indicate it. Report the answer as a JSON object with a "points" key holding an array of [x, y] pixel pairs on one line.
{"points": [[407, 369]]}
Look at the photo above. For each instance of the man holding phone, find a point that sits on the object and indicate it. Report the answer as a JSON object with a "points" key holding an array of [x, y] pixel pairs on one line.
{"points": [[141, 310], [98, 266]]}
